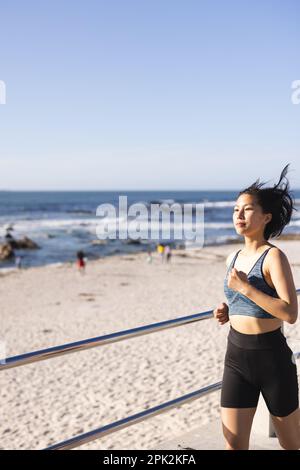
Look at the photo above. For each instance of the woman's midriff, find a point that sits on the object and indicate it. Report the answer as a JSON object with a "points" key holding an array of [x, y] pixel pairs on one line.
{"points": [[252, 325]]}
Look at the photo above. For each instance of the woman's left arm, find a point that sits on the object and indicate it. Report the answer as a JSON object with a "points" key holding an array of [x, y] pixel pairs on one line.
{"points": [[286, 306]]}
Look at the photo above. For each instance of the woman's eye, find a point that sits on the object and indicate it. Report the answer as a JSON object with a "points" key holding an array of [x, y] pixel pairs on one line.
{"points": [[248, 208]]}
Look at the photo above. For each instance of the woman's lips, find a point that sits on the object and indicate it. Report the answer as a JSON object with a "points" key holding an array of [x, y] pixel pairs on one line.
{"points": [[240, 225]]}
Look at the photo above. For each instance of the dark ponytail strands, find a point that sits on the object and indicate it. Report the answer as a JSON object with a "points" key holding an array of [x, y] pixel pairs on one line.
{"points": [[277, 200]]}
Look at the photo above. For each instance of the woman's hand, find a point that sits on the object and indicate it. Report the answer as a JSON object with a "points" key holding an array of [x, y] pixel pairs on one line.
{"points": [[238, 280], [221, 313]]}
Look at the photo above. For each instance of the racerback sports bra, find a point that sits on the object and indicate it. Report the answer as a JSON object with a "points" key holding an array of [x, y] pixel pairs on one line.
{"points": [[238, 303]]}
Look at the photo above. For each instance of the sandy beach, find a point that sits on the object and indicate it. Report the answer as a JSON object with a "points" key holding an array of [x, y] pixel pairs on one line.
{"points": [[56, 399]]}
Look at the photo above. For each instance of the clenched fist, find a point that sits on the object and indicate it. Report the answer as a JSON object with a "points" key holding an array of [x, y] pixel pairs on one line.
{"points": [[238, 281], [221, 313]]}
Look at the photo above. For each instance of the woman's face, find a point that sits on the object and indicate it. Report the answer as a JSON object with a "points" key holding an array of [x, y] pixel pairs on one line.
{"points": [[248, 217]]}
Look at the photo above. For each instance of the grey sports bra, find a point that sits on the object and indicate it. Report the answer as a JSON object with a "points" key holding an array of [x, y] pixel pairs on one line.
{"points": [[238, 303]]}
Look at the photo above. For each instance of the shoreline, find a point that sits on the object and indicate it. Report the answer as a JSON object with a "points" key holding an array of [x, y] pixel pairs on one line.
{"points": [[13, 269]]}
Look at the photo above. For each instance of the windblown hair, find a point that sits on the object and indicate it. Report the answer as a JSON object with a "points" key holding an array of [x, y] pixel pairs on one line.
{"points": [[277, 200]]}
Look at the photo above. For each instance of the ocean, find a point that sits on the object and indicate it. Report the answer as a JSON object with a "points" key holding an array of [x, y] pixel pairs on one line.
{"points": [[62, 223]]}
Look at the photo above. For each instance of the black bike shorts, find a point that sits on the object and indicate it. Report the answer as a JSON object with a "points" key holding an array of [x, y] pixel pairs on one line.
{"points": [[260, 363]]}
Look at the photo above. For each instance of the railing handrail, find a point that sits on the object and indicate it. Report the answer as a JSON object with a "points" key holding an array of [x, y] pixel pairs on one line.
{"points": [[55, 351], [133, 419], [43, 354]]}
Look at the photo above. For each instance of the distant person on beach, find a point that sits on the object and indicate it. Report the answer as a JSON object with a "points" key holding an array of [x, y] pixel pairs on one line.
{"points": [[261, 296], [149, 256], [81, 261], [18, 262], [160, 250], [168, 253]]}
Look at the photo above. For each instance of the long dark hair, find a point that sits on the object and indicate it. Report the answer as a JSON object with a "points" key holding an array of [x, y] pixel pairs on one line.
{"points": [[277, 200]]}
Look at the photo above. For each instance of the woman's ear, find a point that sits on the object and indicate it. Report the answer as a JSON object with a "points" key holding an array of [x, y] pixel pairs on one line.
{"points": [[269, 218]]}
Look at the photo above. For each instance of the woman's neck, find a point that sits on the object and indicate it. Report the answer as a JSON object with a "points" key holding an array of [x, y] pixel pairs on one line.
{"points": [[253, 246]]}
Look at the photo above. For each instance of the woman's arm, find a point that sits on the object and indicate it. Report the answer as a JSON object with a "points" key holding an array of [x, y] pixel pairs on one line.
{"points": [[221, 312], [286, 307]]}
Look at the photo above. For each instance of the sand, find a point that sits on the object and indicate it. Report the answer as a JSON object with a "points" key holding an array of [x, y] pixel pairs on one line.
{"points": [[56, 399]]}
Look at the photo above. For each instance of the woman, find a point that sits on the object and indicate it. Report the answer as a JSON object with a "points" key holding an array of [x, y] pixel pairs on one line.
{"points": [[261, 296]]}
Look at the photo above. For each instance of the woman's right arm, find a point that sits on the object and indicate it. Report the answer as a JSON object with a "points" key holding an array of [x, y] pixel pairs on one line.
{"points": [[221, 311]]}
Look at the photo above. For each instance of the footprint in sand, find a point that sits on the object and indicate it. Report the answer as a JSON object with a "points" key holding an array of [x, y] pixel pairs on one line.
{"points": [[89, 296]]}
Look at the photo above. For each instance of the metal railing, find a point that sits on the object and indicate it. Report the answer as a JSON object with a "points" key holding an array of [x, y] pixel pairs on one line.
{"points": [[56, 351], [133, 419]]}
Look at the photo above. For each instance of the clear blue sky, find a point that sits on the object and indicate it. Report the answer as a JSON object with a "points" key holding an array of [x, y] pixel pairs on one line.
{"points": [[148, 94]]}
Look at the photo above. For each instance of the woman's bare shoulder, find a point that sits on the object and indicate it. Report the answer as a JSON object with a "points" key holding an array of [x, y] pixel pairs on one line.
{"points": [[274, 254]]}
